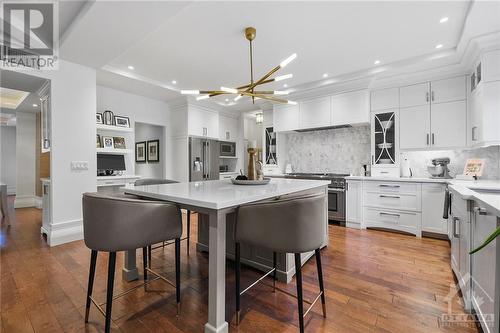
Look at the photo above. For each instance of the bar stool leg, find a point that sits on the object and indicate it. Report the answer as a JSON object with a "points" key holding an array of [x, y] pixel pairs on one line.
{"points": [[145, 264], [109, 292], [320, 279], [188, 226], [298, 277], [178, 274], [237, 269], [150, 258], [274, 273], [93, 260]]}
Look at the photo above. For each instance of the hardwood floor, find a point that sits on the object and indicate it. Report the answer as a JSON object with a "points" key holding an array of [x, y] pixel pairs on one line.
{"points": [[375, 282]]}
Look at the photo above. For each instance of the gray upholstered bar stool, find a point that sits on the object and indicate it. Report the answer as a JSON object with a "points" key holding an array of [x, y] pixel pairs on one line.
{"points": [[292, 225], [158, 181], [112, 224]]}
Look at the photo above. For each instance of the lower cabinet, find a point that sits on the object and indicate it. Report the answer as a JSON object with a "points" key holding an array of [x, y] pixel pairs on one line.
{"points": [[354, 206], [432, 208]]}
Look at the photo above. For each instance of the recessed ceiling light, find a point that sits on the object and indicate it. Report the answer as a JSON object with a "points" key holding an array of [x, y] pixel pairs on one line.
{"points": [[325, 75], [174, 82], [285, 85], [439, 46], [35, 105], [227, 99], [443, 19], [377, 62], [131, 67]]}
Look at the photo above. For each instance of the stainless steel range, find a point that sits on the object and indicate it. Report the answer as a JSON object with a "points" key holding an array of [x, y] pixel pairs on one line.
{"points": [[336, 192]]}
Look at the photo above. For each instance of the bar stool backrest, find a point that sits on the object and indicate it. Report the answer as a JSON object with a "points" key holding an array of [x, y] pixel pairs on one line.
{"points": [[118, 223], [290, 225]]}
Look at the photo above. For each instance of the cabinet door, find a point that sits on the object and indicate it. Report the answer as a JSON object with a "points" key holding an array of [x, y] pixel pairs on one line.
{"points": [[350, 108], [203, 123], [448, 90], [417, 94], [414, 127], [449, 125], [227, 128], [353, 201], [385, 138], [432, 208], [384, 99], [315, 113], [286, 118]]}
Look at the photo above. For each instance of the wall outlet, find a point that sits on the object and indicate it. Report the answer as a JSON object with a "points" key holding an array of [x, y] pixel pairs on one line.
{"points": [[79, 165]]}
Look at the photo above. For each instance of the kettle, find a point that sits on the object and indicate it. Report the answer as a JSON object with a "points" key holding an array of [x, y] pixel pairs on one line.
{"points": [[405, 169]]}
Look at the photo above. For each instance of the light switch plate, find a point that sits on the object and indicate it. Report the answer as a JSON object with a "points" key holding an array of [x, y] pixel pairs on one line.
{"points": [[79, 165]]}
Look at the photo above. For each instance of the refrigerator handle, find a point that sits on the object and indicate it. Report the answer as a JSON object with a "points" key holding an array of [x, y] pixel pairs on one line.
{"points": [[209, 161], [204, 159]]}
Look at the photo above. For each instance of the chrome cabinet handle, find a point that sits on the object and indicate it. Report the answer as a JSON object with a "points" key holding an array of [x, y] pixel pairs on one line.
{"points": [[427, 138], [390, 214], [205, 131], [390, 196], [474, 133], [433, 138], [432, 96], [455, 233], [427, 96], [387, 185], [480, 210]]}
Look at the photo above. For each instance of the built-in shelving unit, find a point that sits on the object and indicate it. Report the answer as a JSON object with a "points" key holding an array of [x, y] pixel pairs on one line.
{"points": [[128, 152], [114, 151], [112, 128]]}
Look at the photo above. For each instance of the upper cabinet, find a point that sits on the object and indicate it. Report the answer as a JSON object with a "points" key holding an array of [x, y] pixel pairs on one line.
{"points": [[203, 122], [384, 99], [433, 115], [286, 118], [414, 95], [228, 128], [315, 113], [350, 108]]}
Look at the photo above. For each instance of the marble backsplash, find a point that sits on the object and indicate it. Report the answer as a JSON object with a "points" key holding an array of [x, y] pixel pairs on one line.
{"points": [[341, 150], [420, 159], [345, 150]]}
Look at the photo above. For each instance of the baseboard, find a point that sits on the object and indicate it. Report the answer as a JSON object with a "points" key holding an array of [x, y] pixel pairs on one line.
{"points": [[38, 202], [64, 232], [24, 201], [354, 225]]}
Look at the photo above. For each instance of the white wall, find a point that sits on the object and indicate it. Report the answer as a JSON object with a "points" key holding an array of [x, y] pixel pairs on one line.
{"points": [[25, 159], [8, 157], [146, 132], [139, 109]]}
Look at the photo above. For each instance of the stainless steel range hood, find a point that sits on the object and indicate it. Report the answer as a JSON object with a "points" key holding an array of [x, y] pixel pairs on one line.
{"points": [[322, 128]]}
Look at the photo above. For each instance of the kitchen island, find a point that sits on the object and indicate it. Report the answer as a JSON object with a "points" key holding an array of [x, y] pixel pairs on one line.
{"points": [[216, 200]]}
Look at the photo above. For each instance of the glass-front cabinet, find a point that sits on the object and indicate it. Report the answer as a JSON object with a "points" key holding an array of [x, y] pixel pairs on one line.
{"points": [[385, 143]]}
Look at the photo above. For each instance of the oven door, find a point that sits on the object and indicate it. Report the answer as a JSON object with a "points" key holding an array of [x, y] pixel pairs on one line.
{"points": [[336, 204]]}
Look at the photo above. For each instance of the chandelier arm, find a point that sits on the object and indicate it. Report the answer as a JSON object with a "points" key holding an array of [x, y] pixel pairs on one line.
{"points": [[262, 79], [279, 100], [213, 93]]}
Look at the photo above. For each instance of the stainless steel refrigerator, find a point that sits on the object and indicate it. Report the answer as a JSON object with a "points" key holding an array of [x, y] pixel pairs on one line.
{"points": [[203, 159]]}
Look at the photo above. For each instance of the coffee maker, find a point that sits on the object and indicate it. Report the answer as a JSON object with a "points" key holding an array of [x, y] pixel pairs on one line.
{"points": [[439, 168]]}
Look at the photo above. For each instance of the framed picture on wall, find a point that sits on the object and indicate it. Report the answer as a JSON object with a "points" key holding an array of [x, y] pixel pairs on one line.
{"points": [[98, 118], [107, 142], [122, 121], [98, 141], [119, 142], [154, 151], [140, 152]]}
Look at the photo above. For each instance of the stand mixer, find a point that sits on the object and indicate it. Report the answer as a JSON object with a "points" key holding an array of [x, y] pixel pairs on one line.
{"points": [[439, 168]]}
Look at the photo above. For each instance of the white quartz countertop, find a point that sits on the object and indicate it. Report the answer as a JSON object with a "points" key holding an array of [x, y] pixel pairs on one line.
{"points": [[400, 179], [220, 194], [117, 177]]}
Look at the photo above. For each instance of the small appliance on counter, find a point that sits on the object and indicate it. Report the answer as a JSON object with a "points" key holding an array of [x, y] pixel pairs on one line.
{"points": [[439, 168], [405, 169], [288, 168]]}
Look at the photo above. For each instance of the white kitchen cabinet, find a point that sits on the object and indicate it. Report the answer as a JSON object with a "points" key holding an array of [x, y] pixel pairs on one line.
{"points": [[350, 108], [448, 90], [449, 125], [203, 122], [384, 99], [286, 118], [488, 68], [385, 143], [485, 279], [414, 127], [315, 113], [416, 94], [354, 204], [485, 114], [432, 208], [228, 128]]}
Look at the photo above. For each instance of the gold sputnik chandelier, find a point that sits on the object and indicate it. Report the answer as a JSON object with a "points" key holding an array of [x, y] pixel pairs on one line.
{"points": [[250, 89]]}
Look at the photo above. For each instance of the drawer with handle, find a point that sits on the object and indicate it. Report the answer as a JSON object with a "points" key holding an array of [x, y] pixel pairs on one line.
{"points": [[398, 201], [384, 218], [392, 187]]}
